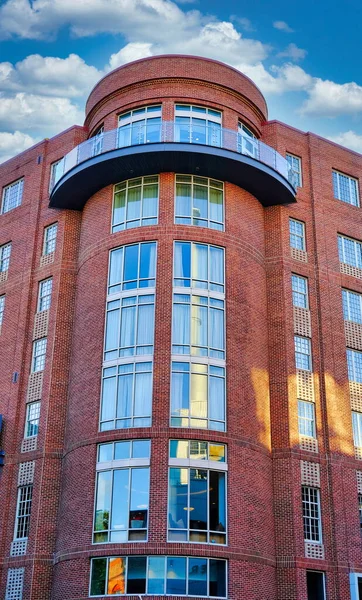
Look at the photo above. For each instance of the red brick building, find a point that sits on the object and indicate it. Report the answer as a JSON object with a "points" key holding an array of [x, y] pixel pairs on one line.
{"points": [[181, 349]]}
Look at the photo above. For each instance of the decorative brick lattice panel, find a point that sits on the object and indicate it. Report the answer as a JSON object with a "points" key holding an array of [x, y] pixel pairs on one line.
{"points": [[308, 443], [18, 547], [358, 453], [41, 325], [350, 270], [310, 473], [3, 276], [314, 550], [305, 386], [35, 386], [29, 444], [302, 324], [14, 584], [26, 473], [353, 333], [355, 394], [359, 481], [299, 254], [48, 259]]}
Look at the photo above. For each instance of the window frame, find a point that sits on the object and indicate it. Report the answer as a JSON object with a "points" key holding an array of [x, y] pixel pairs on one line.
{"points": [[312, 519], [352, 364], [41, 297], [151, 289], [297, 172], [2, 308], [52, 241], [300, 293], [53, 180], [302, 237], [336, 175], [209, 284], [305, 419], [323, 580], [208, 223], [6, 260], [26, 517], [135, 117], [115, 228], [19, 195], [341, 249], [357, 428], [29, 422], [346, 305], [36, 356], [309, 354], [212, 123]]}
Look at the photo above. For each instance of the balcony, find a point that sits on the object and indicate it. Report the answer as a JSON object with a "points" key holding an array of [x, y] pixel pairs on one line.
{"points": [[206, 150]]}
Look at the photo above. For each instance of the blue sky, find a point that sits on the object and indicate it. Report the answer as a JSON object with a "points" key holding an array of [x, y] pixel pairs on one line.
{"points": [[305, 57]]}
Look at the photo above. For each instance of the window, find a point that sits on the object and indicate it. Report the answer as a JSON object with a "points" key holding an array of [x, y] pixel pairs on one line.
{"points": [[122, 492], [56, 171], [197, 492], [2, 308], [39, 351], [357, 429], [132, 267], [316, 585], [199, 266], [140, 126], [360, 510], [198, 396], [12, 195], [5, 252], [354, 363], [98, 141], [45, 294], [297, 234], [350, 251], [247, 141], [306, 418], [311, 515], [199, 201], [345, 188], [23, 510], [198, 326], [303, 358], [126, 396], [158, 576], [352, 306], [300, 291], [50, 238], [197, 125], [295, 165], [129, 326], [32, 419], [135, 203]]}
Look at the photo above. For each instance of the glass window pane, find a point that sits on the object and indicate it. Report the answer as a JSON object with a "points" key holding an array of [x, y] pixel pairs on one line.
{"points": [[176, 576], [197, 577], [136, 575], [120, 499], [138, 517], [156, 575], [198, 499], [178, 498], [98, 577], [103, 501], [217, 576], [116, 576]]}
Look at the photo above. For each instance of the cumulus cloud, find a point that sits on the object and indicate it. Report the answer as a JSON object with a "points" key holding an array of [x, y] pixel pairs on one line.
{"points": [[282, 26], [350, 139], [128, 53], [14, 143], [244, 23], [292, 51], [287, 78], [330, 99]]}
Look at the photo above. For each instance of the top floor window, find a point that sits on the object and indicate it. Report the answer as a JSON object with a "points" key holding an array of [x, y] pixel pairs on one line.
{"points": [[56, 171], [295, 163], [350, 251], [345, 188], [12, 195], [199, 265], [352, 306], [199, 201], [140, 126], [197, 125], [132, 267], [5, 252], [247, 141], [135, 203], [98, 141], [297, 234]]}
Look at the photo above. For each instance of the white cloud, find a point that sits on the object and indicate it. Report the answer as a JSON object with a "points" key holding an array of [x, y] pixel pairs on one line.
{"points": [[128, 53], [244, 23], [330, 99], [350, 139], [282, 26], [292, 51], [14, 143], [69, 77], [287, 78]]}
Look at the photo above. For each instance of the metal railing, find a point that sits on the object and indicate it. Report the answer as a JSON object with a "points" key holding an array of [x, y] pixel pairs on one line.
{"points": [[150, 132]]}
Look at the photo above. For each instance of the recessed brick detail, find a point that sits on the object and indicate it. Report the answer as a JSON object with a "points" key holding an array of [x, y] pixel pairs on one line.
{"points": [[26, 473], [47, 259], [41, 321], [351, 270], [308, 443], [3, 276], [353, 332], [314, 550], [300, 255], [35, 386], [29, 444], [302, 322], [310, 473], [305, 385]]}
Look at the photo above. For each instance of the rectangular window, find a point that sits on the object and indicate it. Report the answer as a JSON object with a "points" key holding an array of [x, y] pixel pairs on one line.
{"points": [[306, 418], [39, 351], [316, 585], [247, 141], [198, 326], [50, 238], [122, 492], [357, 429], [297, 234], [135, 203], [199, 201], [300, 291], [197, 125], [12, 196], [350, 251], [56, 171], [311, 514], [2, 308], [199, 266], [5, 252], [126, 396], [345, 188], [352, 306], [295, 164], [159, 576], [23, 510], [45, 294], [98, 141], [354, 363], [140, 126], [132, 267], [198, 396], [32, 419], [303, 357]]}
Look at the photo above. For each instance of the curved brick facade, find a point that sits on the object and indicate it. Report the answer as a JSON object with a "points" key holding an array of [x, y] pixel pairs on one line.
{"points": [[269, 460]]}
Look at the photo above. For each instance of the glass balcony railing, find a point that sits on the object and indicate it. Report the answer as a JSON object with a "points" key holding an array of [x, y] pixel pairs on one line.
{"points": [[148, 132]]}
